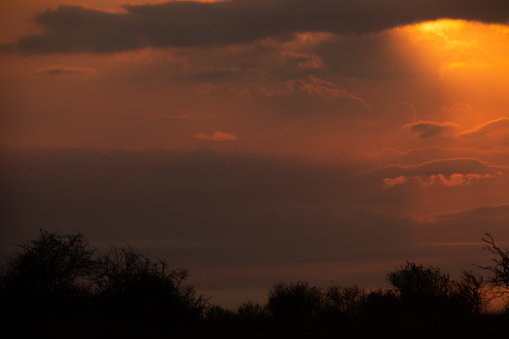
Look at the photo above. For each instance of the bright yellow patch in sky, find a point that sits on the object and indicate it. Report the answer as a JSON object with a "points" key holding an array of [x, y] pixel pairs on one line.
{"points": [[460, 45], [469, 59]]}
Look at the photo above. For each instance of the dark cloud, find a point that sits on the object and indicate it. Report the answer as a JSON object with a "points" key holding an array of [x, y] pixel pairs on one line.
{"points": [[217, 136], [257, 219], [64, 71], [200, 195], [200, 210], [492, 212], [428, 129], [297, 99], [466, 225], [75, 29], [367, 56]]}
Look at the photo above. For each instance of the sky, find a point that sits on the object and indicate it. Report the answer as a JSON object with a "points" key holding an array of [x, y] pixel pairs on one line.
{"points": [[256, 141]]}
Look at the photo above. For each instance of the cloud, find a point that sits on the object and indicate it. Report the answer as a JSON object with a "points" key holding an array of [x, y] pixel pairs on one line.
{"points": [[467, 223], [64, 71], [217, 136], [434, 180], [389, 183], [299, 98], [464, 226], [174, 117], [305, 60], [220, 198], [76, 29], [494, 128], [428, 129], [256, 216], [294, 100], [414, 156], [455, 179], [445, 166], [500, 212]]}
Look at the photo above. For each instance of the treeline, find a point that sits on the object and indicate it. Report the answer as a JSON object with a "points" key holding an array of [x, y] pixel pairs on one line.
{"points": [[58, 286]]}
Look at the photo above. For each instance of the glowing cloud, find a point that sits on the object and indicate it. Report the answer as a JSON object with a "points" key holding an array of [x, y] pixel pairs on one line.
{"points": [[77, 29], [498, 126], [217, 136], [440, 180], [454, 180], [389, 183]]}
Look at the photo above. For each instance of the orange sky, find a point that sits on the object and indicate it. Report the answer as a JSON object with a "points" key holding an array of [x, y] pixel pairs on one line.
{"points": [[391, 129]]}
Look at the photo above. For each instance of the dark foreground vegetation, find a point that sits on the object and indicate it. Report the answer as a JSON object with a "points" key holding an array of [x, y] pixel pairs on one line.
{"points": [[57, 286]]}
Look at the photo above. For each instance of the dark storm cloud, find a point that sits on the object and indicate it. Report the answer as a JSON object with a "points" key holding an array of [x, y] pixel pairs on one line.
{"points": [[75, 29]]}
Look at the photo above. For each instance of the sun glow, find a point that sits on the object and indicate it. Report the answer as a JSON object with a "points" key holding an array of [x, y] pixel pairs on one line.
{"points": [[438, 27], [468, 58], [460, 45]]}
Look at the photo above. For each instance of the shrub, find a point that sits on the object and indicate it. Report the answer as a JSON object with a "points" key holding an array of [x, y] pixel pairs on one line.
{"points": [[381, 301], [250, 310], [294, 300], [129, 285], [49, 272], [472, 292], [423, 289], [343, 300]]}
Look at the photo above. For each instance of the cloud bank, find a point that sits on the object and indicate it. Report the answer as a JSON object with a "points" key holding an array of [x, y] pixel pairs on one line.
{"points": [[76, 29], [256, 218]]}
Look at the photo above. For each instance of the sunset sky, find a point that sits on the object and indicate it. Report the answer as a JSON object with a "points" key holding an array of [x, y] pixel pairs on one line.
{"points": [[252, 141]]}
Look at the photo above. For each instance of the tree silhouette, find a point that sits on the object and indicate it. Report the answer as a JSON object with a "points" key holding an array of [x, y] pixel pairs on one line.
{"points": [[343, 300], [381, 301], [57, 277], [250, 310], [129, 285], [294, 300], [422, 289], [500, 270], [472, 292], [48, 271], [56, 282]]}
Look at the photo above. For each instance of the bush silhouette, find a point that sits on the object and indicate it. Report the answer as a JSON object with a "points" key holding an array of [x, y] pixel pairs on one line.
{"points": [[249, 310], [500, 270], [381, 302], [343, 300], [423, 289], [129, 285], [294, 300], [49, 272], [472, 292], [57, 279], [58, 273]]}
